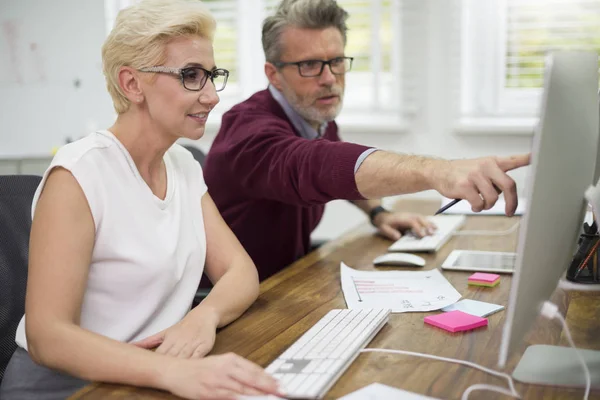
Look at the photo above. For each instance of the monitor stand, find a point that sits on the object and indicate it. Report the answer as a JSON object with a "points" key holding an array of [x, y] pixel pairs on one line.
{"points": [[557, 366]]}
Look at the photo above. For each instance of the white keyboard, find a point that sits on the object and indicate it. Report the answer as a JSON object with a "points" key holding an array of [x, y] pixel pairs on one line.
{"points": [[309, 367], [446, 226]]}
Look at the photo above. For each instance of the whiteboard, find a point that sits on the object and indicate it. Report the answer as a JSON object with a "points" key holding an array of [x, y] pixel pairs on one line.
{"points": [[51, 82]]}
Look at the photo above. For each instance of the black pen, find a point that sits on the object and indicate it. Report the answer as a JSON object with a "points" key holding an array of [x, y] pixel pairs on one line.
{"points": [[447, 206], [453, 202]]}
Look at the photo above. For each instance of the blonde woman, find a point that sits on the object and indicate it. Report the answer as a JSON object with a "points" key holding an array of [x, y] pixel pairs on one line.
{"points": [[123, 228]]}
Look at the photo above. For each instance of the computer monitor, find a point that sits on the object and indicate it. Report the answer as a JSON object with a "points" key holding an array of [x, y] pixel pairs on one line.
{"points": [[597, 170], [563, 164]]}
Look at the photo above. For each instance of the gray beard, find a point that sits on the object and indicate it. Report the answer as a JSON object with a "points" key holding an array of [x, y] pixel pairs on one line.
{"points": [[311, 113]]}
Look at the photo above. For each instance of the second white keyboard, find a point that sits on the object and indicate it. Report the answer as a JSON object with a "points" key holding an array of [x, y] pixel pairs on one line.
{"points": [[446, 226], [309, 367]]}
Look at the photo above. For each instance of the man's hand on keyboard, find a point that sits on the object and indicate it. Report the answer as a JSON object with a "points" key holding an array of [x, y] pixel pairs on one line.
{"points": [[480, 180], [390, 224]]}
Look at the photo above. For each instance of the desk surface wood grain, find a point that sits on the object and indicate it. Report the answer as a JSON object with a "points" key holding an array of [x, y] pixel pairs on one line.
{"points": [[296, 298]]}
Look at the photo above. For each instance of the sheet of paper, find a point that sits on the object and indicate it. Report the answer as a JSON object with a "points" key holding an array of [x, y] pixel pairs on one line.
{"points": [[474, 307], [378, 391], [463, 207], [400, 291]]}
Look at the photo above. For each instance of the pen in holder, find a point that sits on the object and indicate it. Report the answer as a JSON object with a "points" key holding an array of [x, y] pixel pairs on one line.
{"points": [[584, 266]]}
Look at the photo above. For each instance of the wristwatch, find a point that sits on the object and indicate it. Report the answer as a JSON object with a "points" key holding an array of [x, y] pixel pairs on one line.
{"points": [[376, 210]]}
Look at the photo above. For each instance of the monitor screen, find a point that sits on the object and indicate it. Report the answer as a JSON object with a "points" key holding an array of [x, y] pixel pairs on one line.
{"points": [[563, 164]]}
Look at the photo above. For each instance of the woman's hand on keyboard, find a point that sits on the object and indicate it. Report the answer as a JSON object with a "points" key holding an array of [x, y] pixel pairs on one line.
{"points": [[226, 376], [390, 224]]}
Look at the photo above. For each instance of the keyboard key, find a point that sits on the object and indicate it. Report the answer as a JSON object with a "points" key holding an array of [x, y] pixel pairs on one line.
{"points": [[308, 368], [446, 226]]}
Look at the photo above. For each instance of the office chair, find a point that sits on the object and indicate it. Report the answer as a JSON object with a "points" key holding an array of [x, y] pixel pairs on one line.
{"points": [[197, 153], [205, 287], [16, 195]]}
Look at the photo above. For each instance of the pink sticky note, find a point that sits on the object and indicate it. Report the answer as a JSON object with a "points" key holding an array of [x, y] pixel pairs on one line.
{"points": [[456, 321], [483, 277]]}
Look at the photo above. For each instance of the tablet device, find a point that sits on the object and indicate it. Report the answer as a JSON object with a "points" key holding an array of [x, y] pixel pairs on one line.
{"points": [[480, 261]]}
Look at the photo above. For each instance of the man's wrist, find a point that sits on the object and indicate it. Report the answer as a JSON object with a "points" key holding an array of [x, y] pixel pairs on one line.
{"points": [[375, 211], [434, 171]]}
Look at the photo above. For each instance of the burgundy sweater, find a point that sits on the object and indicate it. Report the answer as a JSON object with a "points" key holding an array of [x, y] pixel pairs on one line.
{"points": [[271, 185]]}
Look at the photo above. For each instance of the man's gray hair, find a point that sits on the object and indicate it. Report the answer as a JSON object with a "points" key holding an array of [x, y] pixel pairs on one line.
{"points": [[311, 14]]}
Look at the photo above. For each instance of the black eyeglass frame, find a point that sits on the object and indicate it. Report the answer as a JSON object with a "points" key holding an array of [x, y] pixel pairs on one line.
{"points": [[281, 64], [181, 73]]}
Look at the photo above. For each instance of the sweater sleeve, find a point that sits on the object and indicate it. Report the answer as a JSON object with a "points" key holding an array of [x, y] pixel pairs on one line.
{"points": [[270, 161]]}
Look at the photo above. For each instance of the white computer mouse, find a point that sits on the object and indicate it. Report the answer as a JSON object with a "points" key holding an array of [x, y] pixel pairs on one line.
{"points": [[400, 259]]}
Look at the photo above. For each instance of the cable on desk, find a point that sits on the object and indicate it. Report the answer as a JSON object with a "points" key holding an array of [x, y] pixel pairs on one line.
{"points": [[565, 284], [491, 388], [550, 311], [488, 233], [512, 392]]}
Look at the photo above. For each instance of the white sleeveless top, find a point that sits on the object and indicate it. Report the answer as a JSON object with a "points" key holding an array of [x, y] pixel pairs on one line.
{"points": [[149, 253]]}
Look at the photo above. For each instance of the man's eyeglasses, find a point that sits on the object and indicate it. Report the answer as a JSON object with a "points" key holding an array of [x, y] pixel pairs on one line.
{"points": [[310, 68], [194, 78]]}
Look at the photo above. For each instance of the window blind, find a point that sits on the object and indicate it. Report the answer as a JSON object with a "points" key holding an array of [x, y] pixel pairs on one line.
{"points": [[535, 27], [226, 36]]}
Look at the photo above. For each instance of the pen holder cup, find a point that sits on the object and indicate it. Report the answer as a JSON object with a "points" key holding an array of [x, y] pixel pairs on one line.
{"points": [[585, 266]]}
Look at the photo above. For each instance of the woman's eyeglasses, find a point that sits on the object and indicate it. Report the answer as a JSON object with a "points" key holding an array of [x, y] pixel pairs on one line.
{"points": [[194, 78]]}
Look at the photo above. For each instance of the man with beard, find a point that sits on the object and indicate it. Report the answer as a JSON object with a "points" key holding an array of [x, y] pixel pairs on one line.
{"points": [[278, 159]]}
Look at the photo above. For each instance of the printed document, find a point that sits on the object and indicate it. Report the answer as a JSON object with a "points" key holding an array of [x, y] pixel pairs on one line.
{"points": [[400, 291], [378, 391]]}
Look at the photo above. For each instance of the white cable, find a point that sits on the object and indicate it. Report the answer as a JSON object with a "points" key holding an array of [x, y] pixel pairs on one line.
{"points": [[488, 233], [513, 392], [550, 311], [481, 386]]}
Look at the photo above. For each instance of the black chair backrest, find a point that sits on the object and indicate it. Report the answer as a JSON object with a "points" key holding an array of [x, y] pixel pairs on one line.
{"points": [[205, 284], [16, 195], [197, 153]]}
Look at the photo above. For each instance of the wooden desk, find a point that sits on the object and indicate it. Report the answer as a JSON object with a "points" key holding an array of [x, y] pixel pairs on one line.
{"points": [[296, 298]]}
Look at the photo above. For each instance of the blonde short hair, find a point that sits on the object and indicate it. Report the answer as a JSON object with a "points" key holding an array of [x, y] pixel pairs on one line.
{"points": [[141, 33]]}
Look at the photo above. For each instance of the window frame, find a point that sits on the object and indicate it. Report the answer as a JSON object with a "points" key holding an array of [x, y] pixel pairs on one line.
{"points": [[483, 69]]}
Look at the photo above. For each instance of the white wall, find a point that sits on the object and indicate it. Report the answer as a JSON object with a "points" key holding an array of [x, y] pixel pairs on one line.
{"points": [[431, 93], [51, 82]]}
